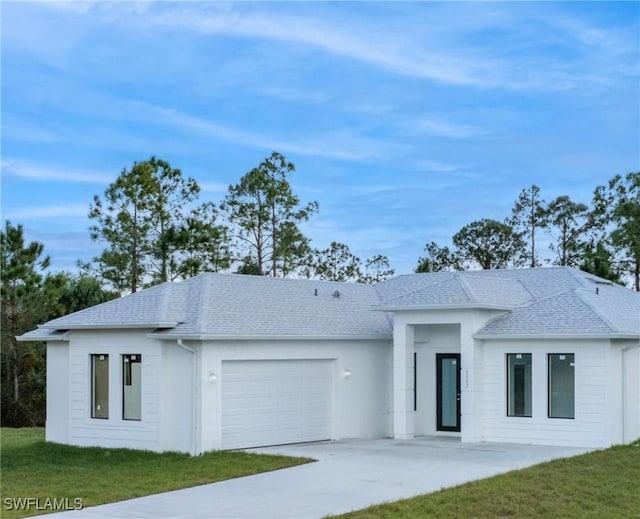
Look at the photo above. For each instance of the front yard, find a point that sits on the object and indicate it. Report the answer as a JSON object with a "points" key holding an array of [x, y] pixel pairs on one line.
{"points": [[38, 476], [601, 484]]}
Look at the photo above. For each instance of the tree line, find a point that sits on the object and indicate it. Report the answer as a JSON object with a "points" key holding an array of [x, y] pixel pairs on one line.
{"points": [[603, 238], [156, 228], [31, 296]]}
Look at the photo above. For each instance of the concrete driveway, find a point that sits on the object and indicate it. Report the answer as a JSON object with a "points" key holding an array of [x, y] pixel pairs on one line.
{"points": [[348, 475]]}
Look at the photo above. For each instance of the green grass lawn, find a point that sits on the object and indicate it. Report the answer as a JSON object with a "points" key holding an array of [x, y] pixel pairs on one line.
{"points": [[600, 485], [30, 467]]}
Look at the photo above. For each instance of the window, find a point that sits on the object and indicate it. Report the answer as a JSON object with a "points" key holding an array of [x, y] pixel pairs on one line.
{"points": [[561, 385], [131, 387], [415, 381], [519, 384], [100, 386]]}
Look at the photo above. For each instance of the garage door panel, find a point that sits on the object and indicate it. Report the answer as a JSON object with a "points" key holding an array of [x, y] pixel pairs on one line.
{"points": [[275, 402], [290, 403], [249, 401], [241, 386], [315, 421], [255, 420], [235, 440], [322, 431], [316, 394], [288, 386]]}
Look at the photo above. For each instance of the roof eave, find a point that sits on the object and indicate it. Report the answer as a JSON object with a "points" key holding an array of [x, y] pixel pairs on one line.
{"points": [[111, 326], [557, 336], [464, 306], [43, 338], [213, 337]]}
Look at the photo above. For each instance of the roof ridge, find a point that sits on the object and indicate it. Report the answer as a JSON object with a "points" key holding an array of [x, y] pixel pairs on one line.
{"points": [[526, 288], [464, 279], [471, 294], [518, 280], [543, 299], [164, 301], [582, 275], [574, 291], [404, 294], [478, 274], [580, 292], [209, 275], [493, 319], [110, 302], [432, 275], [202, 306]]}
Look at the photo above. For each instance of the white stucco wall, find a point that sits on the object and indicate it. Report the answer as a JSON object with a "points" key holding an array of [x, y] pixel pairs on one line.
{"points": [[57, 419], [607, 386], [598, 394], [468, 322], [114, 431], [361, 402], [430, 340], [630, 357], [177, 431], [607, 383]]}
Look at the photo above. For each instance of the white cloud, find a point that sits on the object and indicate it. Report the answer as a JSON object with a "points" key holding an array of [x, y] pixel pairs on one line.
{"points": [[437, 166], [339, 144], [52, 211], [435, 45], [440, 42], [442, 128], [31, 171], [296, 96], [394, 51], [15, 129], [77, 7]]}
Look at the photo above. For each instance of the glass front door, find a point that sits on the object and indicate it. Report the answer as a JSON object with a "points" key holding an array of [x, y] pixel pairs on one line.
{"points": [[448, 391]]}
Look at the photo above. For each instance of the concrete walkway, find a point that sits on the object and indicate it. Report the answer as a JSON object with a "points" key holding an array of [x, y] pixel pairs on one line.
{"points": [[348, 475]]}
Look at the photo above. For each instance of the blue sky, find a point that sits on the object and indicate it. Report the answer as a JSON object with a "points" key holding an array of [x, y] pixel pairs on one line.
{"points": [[405, 121]]}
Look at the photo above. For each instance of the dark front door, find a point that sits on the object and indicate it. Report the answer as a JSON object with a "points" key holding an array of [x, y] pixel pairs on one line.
{"points": [[448, 391]]}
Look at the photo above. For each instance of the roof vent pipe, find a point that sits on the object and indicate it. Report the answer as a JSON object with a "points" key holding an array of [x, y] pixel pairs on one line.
{"points": [[597, 290], [315, 291], [336, 294]]}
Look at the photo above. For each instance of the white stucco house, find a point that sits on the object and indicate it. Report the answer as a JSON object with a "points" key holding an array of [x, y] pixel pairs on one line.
{"points": [[543, 356]]}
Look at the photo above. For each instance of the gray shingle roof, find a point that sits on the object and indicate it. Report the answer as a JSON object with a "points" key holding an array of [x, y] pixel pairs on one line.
{"points": [[44, 334], [228, 305], [619, 308], [537, 302], [155, 306], [542, 302], [248, 306], [562, 314], [463, 290]]}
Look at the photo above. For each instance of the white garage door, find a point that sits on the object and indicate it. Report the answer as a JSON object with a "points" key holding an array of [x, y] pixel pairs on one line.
{"points": [[272, 402]]}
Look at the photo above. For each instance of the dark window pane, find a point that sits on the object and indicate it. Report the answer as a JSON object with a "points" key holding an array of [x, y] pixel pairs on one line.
{"points": [[100, 386], [132, 387], [561, 385], [519, 384], [449, 397]]}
